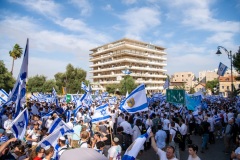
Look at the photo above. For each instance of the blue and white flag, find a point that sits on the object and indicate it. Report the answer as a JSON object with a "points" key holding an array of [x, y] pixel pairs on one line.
{"points": [[57, 123], [3, 95], [221, 69], [105, 94], [68, 115], [35, 110], [193, 101], [101, 113], [133, 150], [19, 124], [84, 87], [22, 78], [136, 101], [52, 140], [166, 84], [126, 71], [54, 93], [112, 100]]}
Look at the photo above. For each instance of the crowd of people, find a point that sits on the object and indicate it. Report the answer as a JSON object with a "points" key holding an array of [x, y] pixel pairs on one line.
{"points": [[171, 130]]}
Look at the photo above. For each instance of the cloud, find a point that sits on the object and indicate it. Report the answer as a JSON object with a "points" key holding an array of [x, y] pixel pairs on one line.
{"points": [[108, 7], [220, 38], [83, 5], [140, 20], [128, 2], [45, 7], [58, 46]]}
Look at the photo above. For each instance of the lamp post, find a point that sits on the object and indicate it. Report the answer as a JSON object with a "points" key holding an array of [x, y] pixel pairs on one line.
{"points": [[229, 53]]}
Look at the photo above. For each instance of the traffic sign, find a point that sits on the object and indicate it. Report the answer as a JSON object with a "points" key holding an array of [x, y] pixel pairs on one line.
{"points": [[176, 96]]}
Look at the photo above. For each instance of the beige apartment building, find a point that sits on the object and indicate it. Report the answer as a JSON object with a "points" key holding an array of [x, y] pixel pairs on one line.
{"points": [[145, 61], [187, 77], [225, 85]]}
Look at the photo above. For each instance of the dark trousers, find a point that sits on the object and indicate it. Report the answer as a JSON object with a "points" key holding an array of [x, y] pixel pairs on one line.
{"points": [[182, 144], [211, 138], [168, 135], [191, 127]]}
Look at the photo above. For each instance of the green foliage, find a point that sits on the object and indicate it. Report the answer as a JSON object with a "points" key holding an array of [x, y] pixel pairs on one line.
{"points": [[127, 84], [71, 79], [211, 85], [15, 54], [236, 61], [6, 79], [192, 90], [48, 86], [111, 88], [35, 84]]}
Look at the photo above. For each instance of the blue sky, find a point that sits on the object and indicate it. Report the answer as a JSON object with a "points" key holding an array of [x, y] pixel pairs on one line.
{"points": [[63, 31]]}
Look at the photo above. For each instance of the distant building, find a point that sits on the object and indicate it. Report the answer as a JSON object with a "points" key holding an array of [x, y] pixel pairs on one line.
{"points": [[145, 61], [200, 87], [187, 78], [225, 85]]}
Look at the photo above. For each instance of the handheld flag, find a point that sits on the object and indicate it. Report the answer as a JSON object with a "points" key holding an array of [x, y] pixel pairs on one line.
{"points": [[136, 101], [3, 95], [166, 84], [193, 102], [84, 87], [101, 114], [19, 124], [132, 151], [57, 123], [221, 69]]}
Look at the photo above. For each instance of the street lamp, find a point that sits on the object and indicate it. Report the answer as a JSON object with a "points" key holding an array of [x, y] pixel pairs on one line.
{"points": [[229, 53]]}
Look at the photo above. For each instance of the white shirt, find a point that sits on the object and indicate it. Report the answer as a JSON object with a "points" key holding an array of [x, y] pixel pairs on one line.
{"points": [[191, 158], [34, 135], [115, 152], [166, 123], [183, 129], [163, 156], [61, 150], [8, 125], [211, 121], [173, 133], [70, 125], [237, 151], [126, 127]]}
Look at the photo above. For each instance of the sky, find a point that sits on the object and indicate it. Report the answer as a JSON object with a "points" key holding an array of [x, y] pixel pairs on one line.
{"points": [[63, 31]]}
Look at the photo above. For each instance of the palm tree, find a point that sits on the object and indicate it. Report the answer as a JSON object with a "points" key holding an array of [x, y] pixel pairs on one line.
{"points": [[15, 54]]}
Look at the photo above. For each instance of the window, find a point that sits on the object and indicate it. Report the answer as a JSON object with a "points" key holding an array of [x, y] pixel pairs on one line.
{"points": [[222, 87], [182, 75], [227, 87]]}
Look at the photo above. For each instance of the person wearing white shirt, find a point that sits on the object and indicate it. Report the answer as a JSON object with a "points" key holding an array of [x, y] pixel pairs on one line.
{"points": [[166, 125], [7, 126], [49, 122], [173, 131], [183, 131], [192, 150], [63, 146], [168, 155], [211, 131], [126, 126]]}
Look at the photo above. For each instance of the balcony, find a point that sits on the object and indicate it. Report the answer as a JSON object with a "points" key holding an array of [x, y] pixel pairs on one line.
{"points": [[127, 60], [132, 75]]}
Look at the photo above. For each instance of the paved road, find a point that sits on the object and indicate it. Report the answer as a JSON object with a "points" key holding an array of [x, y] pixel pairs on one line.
{"points": [[215, 152]]}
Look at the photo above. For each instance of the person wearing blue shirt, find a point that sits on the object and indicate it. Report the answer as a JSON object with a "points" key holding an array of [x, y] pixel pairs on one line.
{"points": [[160, 137]]}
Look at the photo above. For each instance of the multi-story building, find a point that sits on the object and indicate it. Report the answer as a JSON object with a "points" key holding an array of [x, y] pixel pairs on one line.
{"points": [[145, 61], [187, 77], [225, 85]]}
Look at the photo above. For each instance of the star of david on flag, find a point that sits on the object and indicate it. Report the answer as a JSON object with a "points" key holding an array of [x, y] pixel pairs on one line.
{"points": [[101, 113], [221, 69], [19, 124]]}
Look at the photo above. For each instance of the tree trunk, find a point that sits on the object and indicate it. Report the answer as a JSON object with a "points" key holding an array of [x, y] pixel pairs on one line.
{"points": [[12, 66]]}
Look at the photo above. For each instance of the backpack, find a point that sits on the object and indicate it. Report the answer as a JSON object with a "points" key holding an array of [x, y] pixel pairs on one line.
{"points": [[143, 130], [200, 130], [178, 136]]}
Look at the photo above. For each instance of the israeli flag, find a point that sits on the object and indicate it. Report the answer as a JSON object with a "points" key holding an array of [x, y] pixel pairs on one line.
{"points": [[126, 71], [52, 140], [57, 123], [84, 87], [22, 78], [3, 95], [136, 101], [112, 100], [68, 115], [19, 124], [132, 151], [35, 110], [221, 69], [54, 93], [101, 113], [166, 84]]}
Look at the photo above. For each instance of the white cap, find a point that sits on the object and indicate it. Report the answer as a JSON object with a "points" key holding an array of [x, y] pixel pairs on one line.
{"points": [[62, 138]]}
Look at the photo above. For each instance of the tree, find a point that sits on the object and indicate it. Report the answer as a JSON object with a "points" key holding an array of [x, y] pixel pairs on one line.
{"points": [[111, 88], [6, 79], [35, 84], [212, 84], [15, 54], [192, 90], [127, 84], [49, 85], [71, 79], [236, 61]]}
